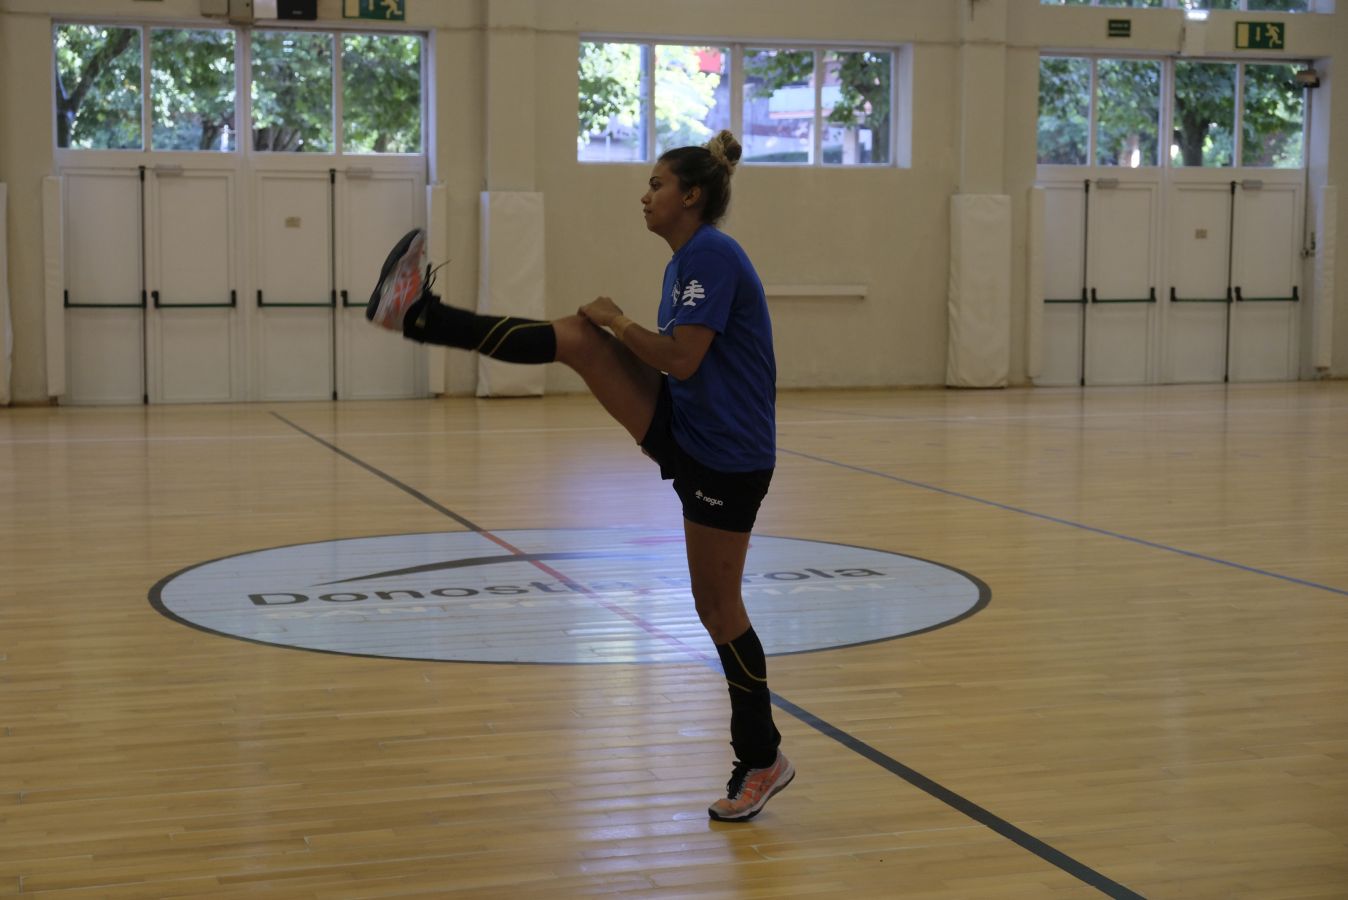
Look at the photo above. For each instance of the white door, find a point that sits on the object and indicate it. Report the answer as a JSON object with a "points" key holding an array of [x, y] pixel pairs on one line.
{"points": [[1265, 269], [1064, 282], [1198, 304], [293, 316], [104, 288], [1121, 274], [194, 331], [374, 210]]}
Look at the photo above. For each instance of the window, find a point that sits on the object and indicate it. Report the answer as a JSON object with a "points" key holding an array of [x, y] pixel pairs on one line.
{"points": [[381, 93], [613, 80], [292, 91], [1250, 5], [796, 106], [103, 72], [692, 94], [1272, 120], [1064, 111], [1205, 114], [778, 106], [1208, 127], [1128, 112], [192, 89], [856, 97], [98, 91]]}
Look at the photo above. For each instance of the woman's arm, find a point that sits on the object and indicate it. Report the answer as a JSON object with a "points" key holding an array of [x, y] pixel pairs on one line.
{"points": [[679, 353]]}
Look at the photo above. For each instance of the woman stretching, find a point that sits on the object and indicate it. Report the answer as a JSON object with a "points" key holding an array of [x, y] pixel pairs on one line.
{"points": [[698, 395]]}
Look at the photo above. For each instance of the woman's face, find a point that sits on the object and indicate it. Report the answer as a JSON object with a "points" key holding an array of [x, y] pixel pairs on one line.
{"points": [[663, 203]]}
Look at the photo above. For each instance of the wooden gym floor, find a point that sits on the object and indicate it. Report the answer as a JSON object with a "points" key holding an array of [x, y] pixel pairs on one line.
{"points": [[1153, 701]]}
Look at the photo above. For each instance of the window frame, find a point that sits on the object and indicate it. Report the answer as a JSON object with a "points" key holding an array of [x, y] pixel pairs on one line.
{"points": [[735, 72], [243, 104], [1166, 124], [1312, 7]]}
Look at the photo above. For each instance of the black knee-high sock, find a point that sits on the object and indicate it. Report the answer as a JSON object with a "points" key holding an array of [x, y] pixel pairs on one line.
{"points": [[752, 733], [506, 338]]}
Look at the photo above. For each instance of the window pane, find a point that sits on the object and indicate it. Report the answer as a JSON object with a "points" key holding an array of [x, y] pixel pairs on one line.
{"points": [[98, 87], [778, 106], [856, 107], [1205, 114], [1137, 3], [381, 93], [1209, 4], [1271, 129], [1128, 107], [692, 95], [612, 86], [1278, 5], [1064, 110], [292, 91], [192, 89]]}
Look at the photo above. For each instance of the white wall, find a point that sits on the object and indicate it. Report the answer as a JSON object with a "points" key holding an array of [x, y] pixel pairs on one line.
{"points": [[973, 104]]}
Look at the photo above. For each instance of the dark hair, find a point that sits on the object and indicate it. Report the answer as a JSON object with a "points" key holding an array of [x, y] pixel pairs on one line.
{"points": [[708, 168]]}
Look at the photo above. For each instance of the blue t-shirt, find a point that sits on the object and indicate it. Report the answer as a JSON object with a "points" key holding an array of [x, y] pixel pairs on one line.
{"points": [[725, 413]]}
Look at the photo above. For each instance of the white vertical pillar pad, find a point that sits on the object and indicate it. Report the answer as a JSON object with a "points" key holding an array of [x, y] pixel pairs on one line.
{"points": [[1034, 285], [53, 277], [1326, 240], [6, 335], [511, 282], [437, 227], [978, 350]]}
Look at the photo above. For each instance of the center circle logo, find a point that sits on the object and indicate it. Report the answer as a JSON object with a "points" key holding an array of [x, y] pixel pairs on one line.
{"points": [[555, 596]]}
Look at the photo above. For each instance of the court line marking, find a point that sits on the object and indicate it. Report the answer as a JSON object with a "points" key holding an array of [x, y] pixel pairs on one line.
{"points": [[620, 611], [1155, 545], [959, 803]]}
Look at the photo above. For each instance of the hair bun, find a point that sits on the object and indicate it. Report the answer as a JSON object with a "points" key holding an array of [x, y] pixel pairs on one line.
{"points": [[725, 149]]}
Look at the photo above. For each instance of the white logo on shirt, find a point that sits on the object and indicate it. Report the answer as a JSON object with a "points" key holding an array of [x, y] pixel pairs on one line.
{"points": [[693, 293]]}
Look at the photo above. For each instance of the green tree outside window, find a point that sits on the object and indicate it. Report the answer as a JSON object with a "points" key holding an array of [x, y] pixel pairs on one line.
{"points": [[98, 89]]}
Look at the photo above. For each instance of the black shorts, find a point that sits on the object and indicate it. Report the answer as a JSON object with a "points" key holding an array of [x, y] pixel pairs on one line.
{"points": [[725, 500]]}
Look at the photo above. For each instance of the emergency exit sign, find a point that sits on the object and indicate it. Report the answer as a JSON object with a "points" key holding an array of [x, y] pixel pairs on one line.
{"points": [[1260, 36], [383, 10]]}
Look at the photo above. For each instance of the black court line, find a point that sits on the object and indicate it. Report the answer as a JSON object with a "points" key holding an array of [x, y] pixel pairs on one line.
{"points": [[1068, 522], [533, 559], [1071, 866], [1022, 839]]}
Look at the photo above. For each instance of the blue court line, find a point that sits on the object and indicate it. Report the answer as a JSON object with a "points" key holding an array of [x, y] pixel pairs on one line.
{"points": [[1069, 523]]}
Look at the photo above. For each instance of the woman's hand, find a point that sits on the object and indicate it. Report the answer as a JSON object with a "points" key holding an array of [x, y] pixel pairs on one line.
{"points": [[601, 311]]}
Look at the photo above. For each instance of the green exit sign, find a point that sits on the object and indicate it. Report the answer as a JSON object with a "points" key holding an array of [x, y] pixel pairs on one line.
{"points": [[1260, 36], [383, 10]]}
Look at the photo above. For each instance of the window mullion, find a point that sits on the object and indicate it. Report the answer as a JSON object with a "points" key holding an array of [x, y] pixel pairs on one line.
{"points": [[737, 90], [648, 100], [1092, 118], [146, 113], [243, 93], [817, 150], [1238, 120], [338, 113]]}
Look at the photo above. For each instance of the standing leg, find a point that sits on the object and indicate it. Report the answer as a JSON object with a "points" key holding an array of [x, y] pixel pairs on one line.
{"points": [[716, 565]]}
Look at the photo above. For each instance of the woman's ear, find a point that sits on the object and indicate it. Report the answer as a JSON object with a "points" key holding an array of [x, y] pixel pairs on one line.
{"points": [[690, 199]]}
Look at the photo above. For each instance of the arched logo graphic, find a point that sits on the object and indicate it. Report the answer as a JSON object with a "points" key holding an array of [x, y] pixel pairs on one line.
{"points": [[555, 596]]}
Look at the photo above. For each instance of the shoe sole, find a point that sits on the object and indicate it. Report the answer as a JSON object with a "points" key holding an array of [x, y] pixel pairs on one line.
{"points": [[747, 816], [397, 253]]}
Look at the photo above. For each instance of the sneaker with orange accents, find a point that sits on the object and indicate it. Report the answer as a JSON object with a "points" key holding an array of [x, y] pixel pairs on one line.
{"points": [[749, 790], [401, 282]]}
